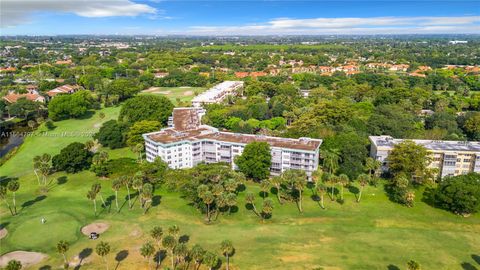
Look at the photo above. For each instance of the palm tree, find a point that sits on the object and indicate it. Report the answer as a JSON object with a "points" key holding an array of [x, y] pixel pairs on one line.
{"points": [[363, 180], [267, 208], [231, 200], [89, 145], [138, 149], [62, 248], [250, 199], [208, 199], [157, 233], [174, 230], [321, 190], [102, 250], [230, 185], [147, 196], [126, 181], [92, 195], [317, 175], [210, 260], [13, 186], [413, 265], [409, 198], [169, 243], [147, 250], [227, 250], [371, 166], [197, 253], [137, 183], [14, 265], [116, 185], [36, 166], [3, 196], [331, 180], [97, 188], [276, 181], [299, 184], [331, 158], [264, 186], [181, 252], [42, 163], [343, 180]]}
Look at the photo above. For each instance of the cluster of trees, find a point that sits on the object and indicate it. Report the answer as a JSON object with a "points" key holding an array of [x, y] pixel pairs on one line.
{"points": [[71, 106], [459, 194], [11, 186], [211, 188]]}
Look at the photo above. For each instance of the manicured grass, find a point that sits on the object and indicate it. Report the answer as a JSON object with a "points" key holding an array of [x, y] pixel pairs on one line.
{"points": [[372, 234], [184, 94]]}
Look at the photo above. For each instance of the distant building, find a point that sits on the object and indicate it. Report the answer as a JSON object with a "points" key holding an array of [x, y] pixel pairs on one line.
{"points": [[64, 89], [449, 157], [218, 93], [160, 74], [187, 143], [458, 42], [32, 95]]}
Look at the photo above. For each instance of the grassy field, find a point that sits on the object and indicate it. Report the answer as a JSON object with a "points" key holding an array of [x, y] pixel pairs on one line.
{"points": [[372, 234], [175, 94]]}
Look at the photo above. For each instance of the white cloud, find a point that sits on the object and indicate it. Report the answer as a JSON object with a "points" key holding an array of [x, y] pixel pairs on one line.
{"points": [[15, 12], [373, 25]]}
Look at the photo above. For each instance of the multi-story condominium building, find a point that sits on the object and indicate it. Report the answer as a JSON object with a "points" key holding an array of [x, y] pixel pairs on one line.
{"points": [[217, 93], [187, 143], [449, 157]]}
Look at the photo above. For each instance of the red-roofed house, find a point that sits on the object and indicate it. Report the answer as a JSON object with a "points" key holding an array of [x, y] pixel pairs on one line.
{"points": [[33, 96], [64, 89]]}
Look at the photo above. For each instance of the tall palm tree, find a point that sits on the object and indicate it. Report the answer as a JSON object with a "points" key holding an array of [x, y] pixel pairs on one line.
{"points": [[36, 166], [227, 250], [343, 181], [321, 190], [231, 200], [13, 186], [157, 233], [102, 250], [92, 195], [137, 183], [264, 186], [363, 180], [250, 199], [62, 248], [147, 196], [197, 253], [97, 188], [3, 196], [276, 181], [116, 185], [147, 251], [126, 181], [174, 231], [181, 252], [331, 180], [230, 185], [372, 166], [331, 158], [210, 259], [169, 243], [267, 208], [208, 199], [299, 184]]}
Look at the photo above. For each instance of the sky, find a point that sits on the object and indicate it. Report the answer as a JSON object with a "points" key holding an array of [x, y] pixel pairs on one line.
{"points": [[248, 17]]}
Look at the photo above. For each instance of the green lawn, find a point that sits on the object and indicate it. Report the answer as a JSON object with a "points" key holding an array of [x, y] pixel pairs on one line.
{"points": [[372, 234], [184, 94]]}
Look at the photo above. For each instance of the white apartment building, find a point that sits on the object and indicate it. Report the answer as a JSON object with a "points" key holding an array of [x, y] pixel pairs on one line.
{"points": [[187, 143], [449, 157], [218, 93]]}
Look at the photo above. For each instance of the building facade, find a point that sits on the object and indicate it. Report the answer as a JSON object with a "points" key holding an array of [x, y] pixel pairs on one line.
{"points": [[187, 143], [218, 93], [449, 157]]}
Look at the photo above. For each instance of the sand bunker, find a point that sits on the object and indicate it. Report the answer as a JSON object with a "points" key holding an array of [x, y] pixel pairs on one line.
{"points": [[188, 93], [3, 233], [151, 89], [95, 227], [27, 258], [164, 92]]}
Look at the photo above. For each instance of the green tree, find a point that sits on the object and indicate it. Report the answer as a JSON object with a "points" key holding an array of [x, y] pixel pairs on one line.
{"points": [[103, 249], [92, 195], [169, 243], [116, 185], [255, 161], [410, 159], [363, 180], [227, 249], [330, 159], [70, 106], [343, 181], [459, 194], [250, 199], [197, 253], [147, 250], [148, 107], [73, 158], [134, 135], [111, 134], [372, 166], [157, 233], [321, 189], [13, 186], [267, 208], [3, 196], [210, 260], [62, 248]]}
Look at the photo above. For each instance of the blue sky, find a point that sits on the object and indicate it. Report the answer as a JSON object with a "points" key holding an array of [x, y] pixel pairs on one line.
{"points": [[163, 17]]}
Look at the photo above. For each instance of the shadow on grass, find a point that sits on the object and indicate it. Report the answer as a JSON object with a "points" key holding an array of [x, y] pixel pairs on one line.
{"points": [[184, 239], [156, 200], [3, 225], [476, 258], [45, 267], [392, 267], [159, 257], [121, 255], [468, 266], [62, 180], [32, 202], [83, 255]]}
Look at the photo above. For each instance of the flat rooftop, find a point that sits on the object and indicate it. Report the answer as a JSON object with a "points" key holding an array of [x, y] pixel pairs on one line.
{"points": [[388, 141], [170, 135]]}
